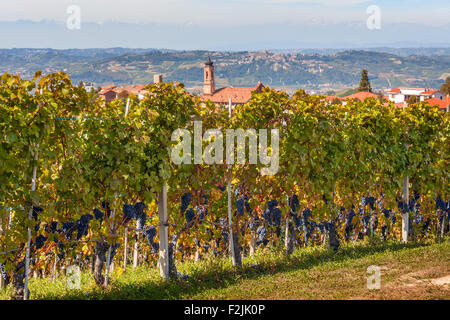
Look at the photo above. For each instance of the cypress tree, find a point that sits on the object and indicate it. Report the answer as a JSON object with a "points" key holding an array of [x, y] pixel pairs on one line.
{"points": [[364, 84]]}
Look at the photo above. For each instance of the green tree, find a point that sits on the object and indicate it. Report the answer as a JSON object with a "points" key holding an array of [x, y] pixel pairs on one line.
{"points": [[445, 88], [413, 100], [336, 101], [364, 84]]}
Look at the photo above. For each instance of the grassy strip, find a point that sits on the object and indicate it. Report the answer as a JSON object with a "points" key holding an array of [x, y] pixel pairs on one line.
{"points": [[310, 273]]}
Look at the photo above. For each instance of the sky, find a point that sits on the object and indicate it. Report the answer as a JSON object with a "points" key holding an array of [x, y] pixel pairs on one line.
{"points": [[228, 12], [232, 20]]}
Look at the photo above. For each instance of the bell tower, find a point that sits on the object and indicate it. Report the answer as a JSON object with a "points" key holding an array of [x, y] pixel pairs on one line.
{"points": [[208, 83]]}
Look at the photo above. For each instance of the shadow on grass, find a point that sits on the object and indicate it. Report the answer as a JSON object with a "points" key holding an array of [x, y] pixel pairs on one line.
{"points": [[211, 277]]}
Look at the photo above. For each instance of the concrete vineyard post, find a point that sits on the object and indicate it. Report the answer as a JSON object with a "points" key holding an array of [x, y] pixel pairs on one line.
{"points": [[54, 267], [405, 216], [125, 249], [30, 216], [286, 235], [230, 226], [371, 219], [136, 248], [163, 234], [108, 256], [252, 243]]}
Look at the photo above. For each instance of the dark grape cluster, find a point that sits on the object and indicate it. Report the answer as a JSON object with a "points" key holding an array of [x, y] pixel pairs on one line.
{"points": [[61, 253], [150, 234], [242, 203], [105, 206], [185, 201], [83, 225], [261, 235], [240, 206], [35, 216], [368, 201], [155, 247], [129, 212], [141, 216], [403, 206], [272, 215], [298, 221], [98, 214], [67, 229], [311, 226], [190, 216], [40, 242], [393, 218], [35, 212], [348, 223], [268, 214], [306, 214], [294, 203], [136, 212], [52, 228]]}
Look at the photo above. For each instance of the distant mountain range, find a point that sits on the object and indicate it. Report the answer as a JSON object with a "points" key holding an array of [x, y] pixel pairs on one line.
{"points": [[253, 37], [312, 69]]}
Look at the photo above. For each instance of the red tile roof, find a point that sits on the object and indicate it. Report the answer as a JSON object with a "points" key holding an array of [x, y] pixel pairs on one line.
{"points": [[111, 86], [331, 98], [125, 90], [103, 92], [237, 94], [442, 104], [429, 92], [394, 90], [117, 89], [361, 95]]}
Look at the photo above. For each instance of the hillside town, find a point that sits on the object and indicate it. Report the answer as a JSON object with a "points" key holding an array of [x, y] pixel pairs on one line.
{"points": [[401, 96]]}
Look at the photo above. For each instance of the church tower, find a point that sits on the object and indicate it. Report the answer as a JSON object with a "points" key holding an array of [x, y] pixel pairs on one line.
{"points": [[208, 84]]}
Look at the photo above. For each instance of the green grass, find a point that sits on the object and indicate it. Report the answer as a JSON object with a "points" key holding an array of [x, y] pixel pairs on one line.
{"points": [[310, 273]]}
